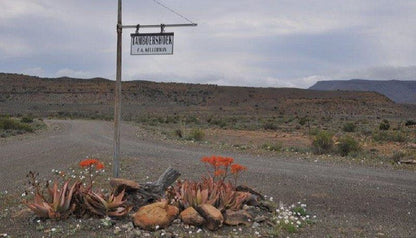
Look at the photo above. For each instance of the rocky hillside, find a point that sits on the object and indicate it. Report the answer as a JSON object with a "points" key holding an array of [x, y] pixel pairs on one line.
{"points": [[95, 98], [398, 91]]}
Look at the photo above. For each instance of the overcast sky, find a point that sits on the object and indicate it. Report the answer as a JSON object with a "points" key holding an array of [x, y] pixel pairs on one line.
{"points": [[267, 43]]}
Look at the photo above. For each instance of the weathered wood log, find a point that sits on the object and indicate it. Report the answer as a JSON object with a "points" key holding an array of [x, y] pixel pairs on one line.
{"points": [[243, 188], [151, 192], [409, 161]]}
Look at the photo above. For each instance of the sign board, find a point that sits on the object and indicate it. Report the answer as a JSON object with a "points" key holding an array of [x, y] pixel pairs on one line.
{"points": [[152, 44]]}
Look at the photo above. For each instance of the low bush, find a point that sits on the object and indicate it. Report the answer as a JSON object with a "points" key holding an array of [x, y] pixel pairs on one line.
{"points": [[178, 133], [196, 135], [322, 143], [269, 126], [384, 125], [349, 127], [348, 145], [27, 119], [397, 156], [11, 124], [387, 136], [410, 123], [272, 147], [303, 120]]}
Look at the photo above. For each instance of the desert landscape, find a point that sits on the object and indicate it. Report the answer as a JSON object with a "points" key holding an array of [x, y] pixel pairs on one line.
{"points": [[329, 150], [222, 119]]}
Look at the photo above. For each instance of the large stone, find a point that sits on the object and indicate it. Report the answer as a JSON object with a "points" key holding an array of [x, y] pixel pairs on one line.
{"points": [[120, 184], [155, 215], [235, 218], [190, 216], [212, 216]]}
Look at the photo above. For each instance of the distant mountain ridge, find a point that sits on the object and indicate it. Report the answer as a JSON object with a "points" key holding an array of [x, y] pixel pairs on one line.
{"points": [[397, 90], [85, 98]]}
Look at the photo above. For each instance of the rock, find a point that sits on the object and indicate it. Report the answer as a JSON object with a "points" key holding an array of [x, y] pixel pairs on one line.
{"points": [[155, 215], [190, 216], [252, 200], [255, 225], [235, 218], [117, 230], [268, 205], [260, 219], [107, 222], [212, 216], [253, 211], [137, 233], [128, 185], [129, 226]]}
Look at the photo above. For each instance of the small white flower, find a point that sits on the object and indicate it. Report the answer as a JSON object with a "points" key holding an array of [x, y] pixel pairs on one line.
{"points": [[286, 221], [23, 194], [271, 199], [53, 229], [298, 222], [157, 227], [200, 230], [257, 233], [190, 232], [38, 221], [314, 217]]}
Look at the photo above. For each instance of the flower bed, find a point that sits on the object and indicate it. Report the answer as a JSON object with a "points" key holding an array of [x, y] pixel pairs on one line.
{"points": [[215, 202]]}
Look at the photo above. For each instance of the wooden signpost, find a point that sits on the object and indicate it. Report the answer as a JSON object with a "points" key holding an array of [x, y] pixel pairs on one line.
{"points": [[141, 44]]}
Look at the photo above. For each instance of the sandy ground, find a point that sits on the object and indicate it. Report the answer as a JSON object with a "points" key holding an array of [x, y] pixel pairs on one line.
{"points": [[348, 200]]}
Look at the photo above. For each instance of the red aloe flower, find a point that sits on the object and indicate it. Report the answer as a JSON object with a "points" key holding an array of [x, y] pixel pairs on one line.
{"points": [[237, 168], [91, 162], [219, 172]]}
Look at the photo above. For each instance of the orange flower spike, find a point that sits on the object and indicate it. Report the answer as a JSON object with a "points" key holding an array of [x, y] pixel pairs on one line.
{"points": [[219, 172], [89, 162], [236, 168], [228, 161], [99, 165], [205, 159]]}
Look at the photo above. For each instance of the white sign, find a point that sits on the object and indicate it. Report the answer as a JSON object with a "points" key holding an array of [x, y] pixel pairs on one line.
{"points": [[152, 44]]}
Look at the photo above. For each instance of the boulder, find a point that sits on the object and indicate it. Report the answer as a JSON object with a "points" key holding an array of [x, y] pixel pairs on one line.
{"points": [[212, 216], [190, 216], [155, 215], [235, 218]]}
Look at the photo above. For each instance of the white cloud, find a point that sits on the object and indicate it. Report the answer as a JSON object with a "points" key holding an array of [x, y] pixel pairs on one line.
{"points": [[254, 43], [74, 73], [12, 9], [12, 46]]}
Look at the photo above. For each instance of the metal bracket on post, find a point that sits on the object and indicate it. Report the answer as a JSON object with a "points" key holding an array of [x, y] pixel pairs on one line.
{"points": [[162, 28], [137, 28]]}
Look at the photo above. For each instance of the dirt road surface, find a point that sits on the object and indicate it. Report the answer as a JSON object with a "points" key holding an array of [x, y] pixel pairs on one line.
{"points": [[349, 201]]}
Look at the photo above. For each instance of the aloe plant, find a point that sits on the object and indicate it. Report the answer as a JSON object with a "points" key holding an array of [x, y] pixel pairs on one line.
{"points": [[193, 194], [114, 205], [220, 194], [58, 205]]}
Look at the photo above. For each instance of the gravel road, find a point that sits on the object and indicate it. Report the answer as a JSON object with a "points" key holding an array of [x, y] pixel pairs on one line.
{"points": [[348, 200]]}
